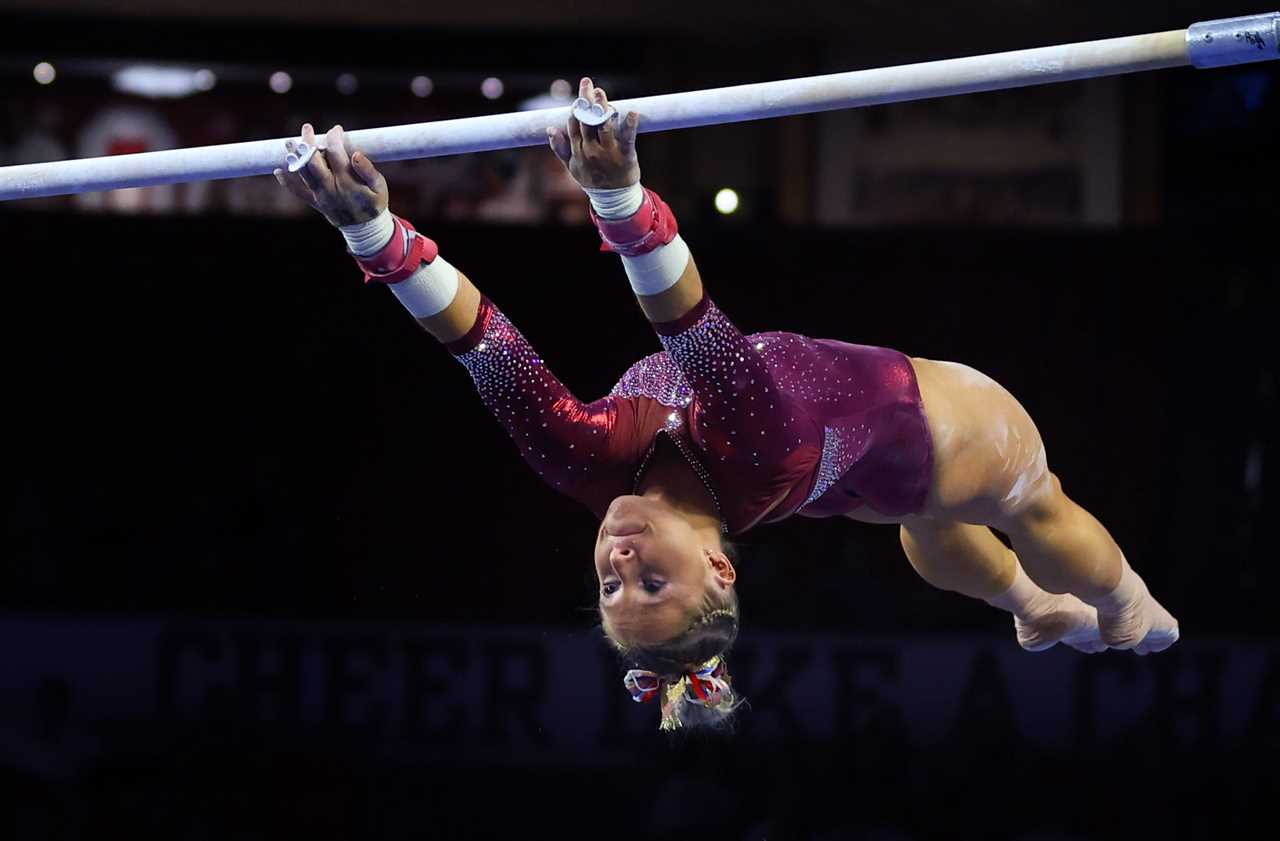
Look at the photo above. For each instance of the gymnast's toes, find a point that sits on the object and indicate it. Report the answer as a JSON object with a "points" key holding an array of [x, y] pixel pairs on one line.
{"points": [[1067, 620], [1157, 641], [1144, 627], [1124, 630], [1039, 635], [1163, 633]]}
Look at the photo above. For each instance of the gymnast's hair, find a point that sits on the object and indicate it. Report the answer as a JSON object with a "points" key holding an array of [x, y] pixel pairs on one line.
{"points": [[704, 643]]}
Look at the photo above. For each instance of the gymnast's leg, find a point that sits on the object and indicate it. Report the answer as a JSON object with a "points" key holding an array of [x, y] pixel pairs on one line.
{"points": [[990, 467], [1066, 549], [970, 560]]}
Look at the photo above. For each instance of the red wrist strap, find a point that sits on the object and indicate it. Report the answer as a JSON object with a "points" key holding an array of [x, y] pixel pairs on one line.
{"points": [[651, 226], [400, 257]]}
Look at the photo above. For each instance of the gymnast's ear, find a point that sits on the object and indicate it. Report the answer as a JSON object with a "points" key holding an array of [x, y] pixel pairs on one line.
{"points": [[722, 566]]}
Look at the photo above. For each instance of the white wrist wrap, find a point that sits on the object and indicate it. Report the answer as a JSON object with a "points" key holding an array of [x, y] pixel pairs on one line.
{"points": [[425, 292], [428, 290], [652, 273], [368, 238], [658, 270], [617, 203]]}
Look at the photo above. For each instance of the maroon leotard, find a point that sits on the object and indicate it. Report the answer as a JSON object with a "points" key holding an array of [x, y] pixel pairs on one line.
{"points": [[775, 423]]}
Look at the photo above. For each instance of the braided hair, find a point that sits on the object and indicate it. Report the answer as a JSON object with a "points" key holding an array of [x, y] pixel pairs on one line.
{"points": [[688, 673]]}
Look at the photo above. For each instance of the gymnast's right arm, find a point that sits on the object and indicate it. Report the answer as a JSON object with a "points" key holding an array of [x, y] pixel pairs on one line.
{"points": [[567, 442], [346, 188]]}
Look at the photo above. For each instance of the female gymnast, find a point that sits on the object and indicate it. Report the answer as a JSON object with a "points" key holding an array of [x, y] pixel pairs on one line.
{"points": [[721, 432]]}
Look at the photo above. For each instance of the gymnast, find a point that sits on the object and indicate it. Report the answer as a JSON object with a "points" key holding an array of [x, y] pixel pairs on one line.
{"points": [[721, 432]]}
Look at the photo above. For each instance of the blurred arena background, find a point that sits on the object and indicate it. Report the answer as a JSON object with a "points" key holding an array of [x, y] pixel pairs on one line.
{"points": [[271, 570]]}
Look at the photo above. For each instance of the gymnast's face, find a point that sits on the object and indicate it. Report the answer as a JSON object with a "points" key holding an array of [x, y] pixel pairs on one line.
{"points": [[654, 568]]}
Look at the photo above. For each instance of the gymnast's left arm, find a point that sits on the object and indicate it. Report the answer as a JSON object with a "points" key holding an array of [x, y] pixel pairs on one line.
{"points": [[740, 411], [633, 222]]}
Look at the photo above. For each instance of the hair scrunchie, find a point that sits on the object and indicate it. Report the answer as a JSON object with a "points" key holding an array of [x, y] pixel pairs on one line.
{"points": [[708, 685]]}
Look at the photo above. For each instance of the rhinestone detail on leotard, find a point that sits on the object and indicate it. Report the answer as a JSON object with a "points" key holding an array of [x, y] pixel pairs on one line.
{"points": [[540, 414], [656, 377], [835, 448]]}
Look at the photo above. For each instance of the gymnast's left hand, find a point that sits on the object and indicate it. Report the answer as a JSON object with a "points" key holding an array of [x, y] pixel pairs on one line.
{"points": [[339, 181], [602, 156]]}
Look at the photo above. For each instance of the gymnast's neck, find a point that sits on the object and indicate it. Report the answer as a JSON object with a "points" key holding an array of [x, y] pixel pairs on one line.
{"points": [[671, 479]]}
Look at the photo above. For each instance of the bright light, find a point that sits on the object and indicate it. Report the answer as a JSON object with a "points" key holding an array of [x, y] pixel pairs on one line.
{"points": [[280, 81], [421, 86], [491, 88], [561, 90], [348, 84], [44, 73], [726, 201], [156, 82]]}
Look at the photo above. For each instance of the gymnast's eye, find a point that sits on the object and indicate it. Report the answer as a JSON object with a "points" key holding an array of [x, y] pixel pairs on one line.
{"points": [[652, 585], [609, 588]]}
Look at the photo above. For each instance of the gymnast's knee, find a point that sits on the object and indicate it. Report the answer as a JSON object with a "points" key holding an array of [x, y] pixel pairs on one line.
{"points": [[913, 534], [923, 542], [918, 555], [1043, 507]]}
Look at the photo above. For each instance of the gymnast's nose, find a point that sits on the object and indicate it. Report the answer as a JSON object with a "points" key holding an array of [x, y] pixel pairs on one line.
{"points": [[621, 552]]}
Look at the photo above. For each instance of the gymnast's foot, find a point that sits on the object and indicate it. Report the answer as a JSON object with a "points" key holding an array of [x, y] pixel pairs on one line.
{"points": [[1131, 618], [1053, 618]]}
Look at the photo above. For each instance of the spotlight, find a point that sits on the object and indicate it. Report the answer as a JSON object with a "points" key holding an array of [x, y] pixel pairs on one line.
{"points": [[280, 81], [561, 90], [161, 82], [204, 79], [348, 84], [726, 201], [491, 88], [421, 86], [44, 73]]}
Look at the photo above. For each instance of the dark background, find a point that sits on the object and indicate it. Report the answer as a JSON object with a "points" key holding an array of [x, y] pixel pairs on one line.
{"points": [[210, 417]]}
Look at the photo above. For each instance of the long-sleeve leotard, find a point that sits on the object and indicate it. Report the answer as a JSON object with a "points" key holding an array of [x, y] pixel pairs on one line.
{"points": [[774, 423]]}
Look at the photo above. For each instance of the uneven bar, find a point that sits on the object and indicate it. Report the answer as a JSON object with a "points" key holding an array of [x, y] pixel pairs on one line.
{"points": [[1211, 44]]}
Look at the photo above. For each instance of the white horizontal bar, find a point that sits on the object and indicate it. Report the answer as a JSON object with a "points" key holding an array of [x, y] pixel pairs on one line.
{"points": [[998, 71]]}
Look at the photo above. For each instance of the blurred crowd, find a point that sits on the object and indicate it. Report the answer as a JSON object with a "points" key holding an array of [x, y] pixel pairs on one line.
{"points": [[84, 118]]}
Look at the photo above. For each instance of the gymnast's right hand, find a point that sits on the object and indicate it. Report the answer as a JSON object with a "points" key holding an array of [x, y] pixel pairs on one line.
{"points": [[598, 157], [339, 181]]}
